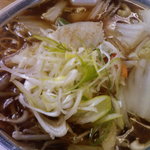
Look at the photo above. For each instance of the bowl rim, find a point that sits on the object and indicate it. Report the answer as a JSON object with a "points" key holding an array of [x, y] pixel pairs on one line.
{"points": [[8, 143]]}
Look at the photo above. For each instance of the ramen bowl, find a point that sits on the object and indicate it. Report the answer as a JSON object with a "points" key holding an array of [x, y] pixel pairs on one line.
{"points": [[72, 75]]}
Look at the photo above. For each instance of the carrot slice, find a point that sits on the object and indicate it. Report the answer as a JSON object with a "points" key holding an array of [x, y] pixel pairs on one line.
{"points": [[124, 71]]}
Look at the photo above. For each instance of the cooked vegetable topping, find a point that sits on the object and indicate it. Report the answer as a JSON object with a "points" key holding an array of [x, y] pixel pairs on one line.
{"points": [[57, 80], [76, 75]]}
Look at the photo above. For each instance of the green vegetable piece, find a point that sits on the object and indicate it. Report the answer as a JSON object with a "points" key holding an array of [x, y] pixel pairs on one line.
{"points": [[109, 117], [102, 104], [103, 129], [56, 46], [145, 51], [61, 21], [89, 73], [45, 39], [53, 49]]}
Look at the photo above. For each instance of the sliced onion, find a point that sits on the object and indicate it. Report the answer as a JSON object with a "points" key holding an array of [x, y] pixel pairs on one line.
{"points": [[54, 128], [135, 145], [8, 102]]}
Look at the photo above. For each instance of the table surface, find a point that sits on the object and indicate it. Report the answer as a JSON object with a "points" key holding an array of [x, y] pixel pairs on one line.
{"points": [[4, 3]]}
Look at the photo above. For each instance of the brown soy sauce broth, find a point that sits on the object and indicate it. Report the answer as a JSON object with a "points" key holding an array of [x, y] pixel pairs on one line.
{"points": [[138, 132], [15, 109]]}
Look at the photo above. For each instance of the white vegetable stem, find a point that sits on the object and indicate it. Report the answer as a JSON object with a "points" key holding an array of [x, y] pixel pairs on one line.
{"points": [[81, 34], [137, 91], [54, 12]]}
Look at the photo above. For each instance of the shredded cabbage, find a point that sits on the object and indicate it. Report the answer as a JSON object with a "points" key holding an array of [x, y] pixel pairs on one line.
{"points": [[80, 34], [54, 12], [130, 35], [136, 92], [144, 51]]}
